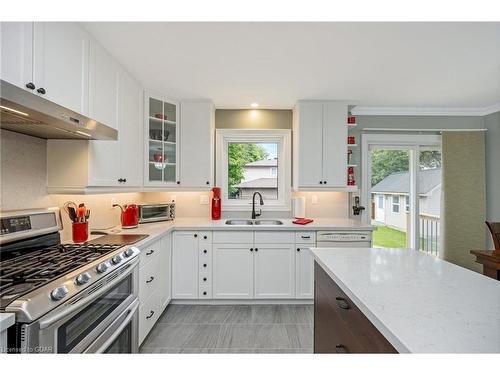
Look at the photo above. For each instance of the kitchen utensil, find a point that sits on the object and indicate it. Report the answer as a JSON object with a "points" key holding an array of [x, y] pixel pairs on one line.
{"points": [[81, 212], [129, 215], [70, 208]]}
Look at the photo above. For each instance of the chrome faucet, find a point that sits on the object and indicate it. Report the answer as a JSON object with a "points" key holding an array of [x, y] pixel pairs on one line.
{"points": [[254, 214]]}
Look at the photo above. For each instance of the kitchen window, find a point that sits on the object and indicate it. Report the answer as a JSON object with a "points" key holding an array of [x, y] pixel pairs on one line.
{"points": [[250, 161], [395, 204], [407, 204], [380, 201]]}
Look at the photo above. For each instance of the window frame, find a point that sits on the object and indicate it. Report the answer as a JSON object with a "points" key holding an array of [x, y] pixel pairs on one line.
{"points": [[280, 136], [398, 204], [381, 199], [407, 204]]}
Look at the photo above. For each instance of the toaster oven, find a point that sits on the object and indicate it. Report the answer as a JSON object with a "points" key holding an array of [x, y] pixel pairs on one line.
{"points": [[156, 212]]}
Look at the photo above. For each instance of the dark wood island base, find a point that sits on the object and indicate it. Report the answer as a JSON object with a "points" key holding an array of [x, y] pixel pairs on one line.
{"points": [[339, 326]]}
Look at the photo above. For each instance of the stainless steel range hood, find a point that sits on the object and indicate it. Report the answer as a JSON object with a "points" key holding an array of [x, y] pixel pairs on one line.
{"points": [[27, 113]]}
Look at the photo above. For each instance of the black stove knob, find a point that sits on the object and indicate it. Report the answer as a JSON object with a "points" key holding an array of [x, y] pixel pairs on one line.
{"points": [[129, 252], [103, 267], [116, 259], [59, 293], [83, 278]]}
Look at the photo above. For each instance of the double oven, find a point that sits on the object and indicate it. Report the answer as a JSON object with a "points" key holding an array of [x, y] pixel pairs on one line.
{"points": [[102, 319]]}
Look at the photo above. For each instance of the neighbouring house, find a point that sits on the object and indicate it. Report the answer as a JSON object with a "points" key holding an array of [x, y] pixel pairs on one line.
{"points": [[261, 176], [391, 202]]}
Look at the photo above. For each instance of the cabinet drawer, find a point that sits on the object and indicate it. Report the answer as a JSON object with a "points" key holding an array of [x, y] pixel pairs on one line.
{"points": [[148, 253], [205, 237], [339, 326], [236, 237], [148, 280], [305, 237], [274, 237], [205, 292], [149, 312]]}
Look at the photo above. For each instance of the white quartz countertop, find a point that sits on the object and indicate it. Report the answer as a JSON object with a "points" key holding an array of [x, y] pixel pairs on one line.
{"points": [[6, 320], [157, 229], [420, 303]]}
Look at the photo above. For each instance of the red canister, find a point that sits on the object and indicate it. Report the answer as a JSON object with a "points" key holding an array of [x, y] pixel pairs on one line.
{"points": [[80, 231], [216, 204]]}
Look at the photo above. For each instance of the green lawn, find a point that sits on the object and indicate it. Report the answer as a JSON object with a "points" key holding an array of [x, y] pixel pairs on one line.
{"points": [[388, 237]]}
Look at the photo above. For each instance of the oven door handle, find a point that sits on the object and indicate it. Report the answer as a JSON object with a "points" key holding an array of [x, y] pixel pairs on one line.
{"points": [[47, 322], [129, 316]]}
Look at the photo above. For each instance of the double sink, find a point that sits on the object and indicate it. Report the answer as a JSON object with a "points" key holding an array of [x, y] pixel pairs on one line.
{"points": [[253, 222]]}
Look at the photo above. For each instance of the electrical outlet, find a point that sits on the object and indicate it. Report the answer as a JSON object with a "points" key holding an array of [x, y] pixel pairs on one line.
{"points": [[203, 199], [314, 199]]}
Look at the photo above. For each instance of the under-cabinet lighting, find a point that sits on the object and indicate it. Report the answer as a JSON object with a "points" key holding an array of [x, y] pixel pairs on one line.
{"points": [[83, 133], [14, 110], [254, 105]]}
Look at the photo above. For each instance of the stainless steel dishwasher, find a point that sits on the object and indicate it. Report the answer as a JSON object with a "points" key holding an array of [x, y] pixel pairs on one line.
{"points": [[344, 238]]}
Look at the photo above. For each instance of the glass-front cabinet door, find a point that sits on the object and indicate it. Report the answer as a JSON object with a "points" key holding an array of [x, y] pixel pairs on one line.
{"points": [[161, 141]]}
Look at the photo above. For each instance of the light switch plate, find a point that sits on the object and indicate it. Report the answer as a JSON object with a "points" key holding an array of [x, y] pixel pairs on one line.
{"points": [[314, 199], [203, 199]]}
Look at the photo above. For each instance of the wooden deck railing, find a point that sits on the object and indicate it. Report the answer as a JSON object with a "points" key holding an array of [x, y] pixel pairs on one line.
{"points": [[430, 232]]}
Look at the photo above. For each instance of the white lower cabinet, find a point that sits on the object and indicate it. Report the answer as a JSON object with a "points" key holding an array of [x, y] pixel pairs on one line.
{"points": [[185, 265], [233, 271], [274, 271], [304, 273], [154, 283]]}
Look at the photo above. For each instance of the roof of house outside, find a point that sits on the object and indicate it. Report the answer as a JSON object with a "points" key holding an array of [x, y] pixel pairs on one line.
{"points": [[263, 163], [260, 183], [400, 182]]}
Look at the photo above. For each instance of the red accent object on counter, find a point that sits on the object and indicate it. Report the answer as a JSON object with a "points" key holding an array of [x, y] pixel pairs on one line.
{"points": [[80, 231], [351, 140], [129, 215], [216, 204], [303, 221]]}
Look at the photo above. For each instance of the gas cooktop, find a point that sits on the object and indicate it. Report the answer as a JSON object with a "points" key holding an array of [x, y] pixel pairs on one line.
{"points": [[23, 272]]}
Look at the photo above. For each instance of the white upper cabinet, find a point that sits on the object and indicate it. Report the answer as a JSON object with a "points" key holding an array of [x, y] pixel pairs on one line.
{"points": [[104, 76], [197, 144], [17, 53], [320, 145], [60, 64]]}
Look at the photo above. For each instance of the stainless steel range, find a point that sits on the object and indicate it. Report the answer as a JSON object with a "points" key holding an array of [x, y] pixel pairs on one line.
{"points": [[66, 298]]}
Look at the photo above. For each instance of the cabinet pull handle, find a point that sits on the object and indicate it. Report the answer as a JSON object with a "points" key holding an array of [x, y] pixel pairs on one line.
{"points": [[340, 348], [151, 313], [342, 303], [151, 278], [30, 85], [41, 90], [150, 252], [305, 237]]}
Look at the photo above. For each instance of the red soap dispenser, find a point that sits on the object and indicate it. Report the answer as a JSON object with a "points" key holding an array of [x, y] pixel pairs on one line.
{"points": [[216, 204]]}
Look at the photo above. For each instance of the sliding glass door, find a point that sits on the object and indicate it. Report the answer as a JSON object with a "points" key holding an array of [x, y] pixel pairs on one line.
{"points": [[402, 174]]}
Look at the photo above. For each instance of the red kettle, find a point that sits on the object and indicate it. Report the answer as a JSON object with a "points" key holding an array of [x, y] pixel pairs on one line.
{"points": [[130, 215]]}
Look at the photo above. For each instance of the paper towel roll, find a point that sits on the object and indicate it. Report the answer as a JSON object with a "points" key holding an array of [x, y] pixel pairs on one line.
{"points": [[299, 207]]}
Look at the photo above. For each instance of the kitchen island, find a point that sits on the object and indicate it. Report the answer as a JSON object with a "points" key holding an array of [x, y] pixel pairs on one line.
{"points": [[400, 300]]}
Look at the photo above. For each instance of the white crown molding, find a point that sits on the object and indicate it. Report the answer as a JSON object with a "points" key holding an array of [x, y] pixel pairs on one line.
{"points": [[425, 111]]}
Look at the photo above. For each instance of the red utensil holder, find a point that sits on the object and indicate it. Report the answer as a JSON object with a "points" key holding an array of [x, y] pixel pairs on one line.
{"points": [[80, 231]]}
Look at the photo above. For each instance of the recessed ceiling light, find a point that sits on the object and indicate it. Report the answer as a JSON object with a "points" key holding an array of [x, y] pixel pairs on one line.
{"points": [[254, 105]]}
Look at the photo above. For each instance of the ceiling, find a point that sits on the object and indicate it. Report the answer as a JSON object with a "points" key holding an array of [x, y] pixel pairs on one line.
{"points": [[428, 65]]}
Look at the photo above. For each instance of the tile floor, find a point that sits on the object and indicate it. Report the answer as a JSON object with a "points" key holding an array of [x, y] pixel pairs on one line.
{"points": [[232, 329]]}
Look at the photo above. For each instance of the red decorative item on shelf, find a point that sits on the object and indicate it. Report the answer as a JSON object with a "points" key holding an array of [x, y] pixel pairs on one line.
{"points": [[351, 120], [216, 204], [80, 231], [351, 140], [350, 176]]}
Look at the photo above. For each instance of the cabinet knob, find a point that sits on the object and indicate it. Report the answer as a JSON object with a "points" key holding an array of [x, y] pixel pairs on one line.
{"points": [[321, 182], [251, 249], [195, 236], [178, 182], [298, 249], [204, 264], [256, 249], [204, 293], [204, 251], [208, 182], [204, 279], [30, 85], [324, 182], [41, 90], [205, 237]]}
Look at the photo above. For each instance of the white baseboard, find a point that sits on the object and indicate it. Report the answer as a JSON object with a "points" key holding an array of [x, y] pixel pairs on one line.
{"points": [[242, 302]]}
